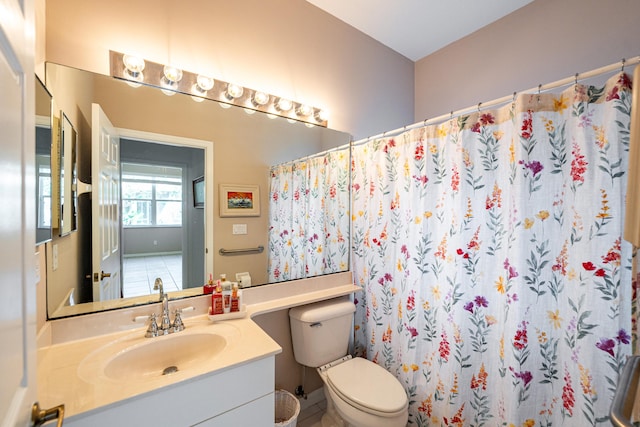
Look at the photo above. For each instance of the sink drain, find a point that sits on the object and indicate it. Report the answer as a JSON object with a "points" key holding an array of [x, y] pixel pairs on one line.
{"points": [[170, 370]]}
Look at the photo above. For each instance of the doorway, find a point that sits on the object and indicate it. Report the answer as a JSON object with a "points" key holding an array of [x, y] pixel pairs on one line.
{"points": [[162, 230]]}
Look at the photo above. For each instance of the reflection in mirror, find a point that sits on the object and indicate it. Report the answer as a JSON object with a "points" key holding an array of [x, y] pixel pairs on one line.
{"points": [[242, 148], [43, 163], [66, 178]]}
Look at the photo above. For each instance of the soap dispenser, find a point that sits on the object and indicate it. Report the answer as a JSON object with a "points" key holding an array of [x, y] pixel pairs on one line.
{"points": [[217, 304]]}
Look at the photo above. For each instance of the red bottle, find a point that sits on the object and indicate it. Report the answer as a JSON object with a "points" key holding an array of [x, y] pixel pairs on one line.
{"points": [[208, 287], [217, 306]]}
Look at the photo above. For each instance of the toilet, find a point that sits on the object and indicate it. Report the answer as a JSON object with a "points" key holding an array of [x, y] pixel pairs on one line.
{"points": [[359, 393]]}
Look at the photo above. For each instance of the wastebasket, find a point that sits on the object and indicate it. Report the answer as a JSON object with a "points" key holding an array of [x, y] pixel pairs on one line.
{"points": [[287, 409]]}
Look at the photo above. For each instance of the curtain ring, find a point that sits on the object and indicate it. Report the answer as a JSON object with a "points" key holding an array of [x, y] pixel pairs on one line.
{"points": [[576, 79], [622, 68], [479, 104]]}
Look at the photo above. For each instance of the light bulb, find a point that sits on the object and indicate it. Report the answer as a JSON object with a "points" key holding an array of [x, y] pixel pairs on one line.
{"points": [[197, 91], [173, 74], [303, 110], [259, 98], [233, 91], [204, 83], [249, 111], [168, 87], [133, 79], [224, 105], [133, 64], [283, 105], [322, 115]]}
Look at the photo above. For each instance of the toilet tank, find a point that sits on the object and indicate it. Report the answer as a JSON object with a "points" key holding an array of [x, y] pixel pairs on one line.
{"points": [[320, 331]]}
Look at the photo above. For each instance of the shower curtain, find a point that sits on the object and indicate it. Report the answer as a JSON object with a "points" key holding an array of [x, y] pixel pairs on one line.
{"points": [[309, 217], [497, 287]]}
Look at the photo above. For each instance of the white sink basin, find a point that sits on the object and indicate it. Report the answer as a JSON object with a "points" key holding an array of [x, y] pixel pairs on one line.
{"points": [[135, 358], [159, 356]]}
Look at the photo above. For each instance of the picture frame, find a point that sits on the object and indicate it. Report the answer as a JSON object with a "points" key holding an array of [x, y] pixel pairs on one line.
{"points": [[198, 192], [239, 200]]}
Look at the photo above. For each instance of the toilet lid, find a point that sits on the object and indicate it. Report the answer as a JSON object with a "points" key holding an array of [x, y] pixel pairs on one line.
{"points": [[367, 385]]}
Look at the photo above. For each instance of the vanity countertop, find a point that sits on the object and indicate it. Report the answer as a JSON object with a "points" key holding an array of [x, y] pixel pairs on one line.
{"points": [[60, 366], [65, 345]]}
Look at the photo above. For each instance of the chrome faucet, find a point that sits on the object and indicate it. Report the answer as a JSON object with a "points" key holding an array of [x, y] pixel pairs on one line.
{"points": [[157, 285], [165, 327]]}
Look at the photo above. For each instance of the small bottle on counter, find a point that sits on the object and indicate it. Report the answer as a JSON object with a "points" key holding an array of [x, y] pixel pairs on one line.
{"points": [[217, 304], [226, 296], [236, 298], [209, 287], [226, 293]]}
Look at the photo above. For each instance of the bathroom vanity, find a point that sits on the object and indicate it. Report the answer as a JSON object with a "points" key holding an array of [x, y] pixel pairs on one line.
{"points": [[225, 376], [106, 373]]}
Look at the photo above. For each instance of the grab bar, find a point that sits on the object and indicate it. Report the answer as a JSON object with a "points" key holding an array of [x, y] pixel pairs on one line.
{"points": [[624, 398], [258, 250]]}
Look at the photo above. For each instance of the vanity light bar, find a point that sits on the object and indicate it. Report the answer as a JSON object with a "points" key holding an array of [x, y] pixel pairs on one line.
{"points": [[171, 79]]}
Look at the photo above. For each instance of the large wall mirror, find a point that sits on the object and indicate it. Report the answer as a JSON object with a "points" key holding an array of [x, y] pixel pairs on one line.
{"points": [[159, 146]]}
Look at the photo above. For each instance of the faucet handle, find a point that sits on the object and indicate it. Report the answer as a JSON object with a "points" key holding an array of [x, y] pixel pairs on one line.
{"points": [[152, 331], [166, 322], [177, 322]]}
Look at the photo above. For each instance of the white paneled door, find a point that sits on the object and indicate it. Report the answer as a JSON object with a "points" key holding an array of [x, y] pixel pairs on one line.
{"points": [[105, 207], [17, 222]]}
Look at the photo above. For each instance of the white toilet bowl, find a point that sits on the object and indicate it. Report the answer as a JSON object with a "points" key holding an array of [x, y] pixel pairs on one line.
{"points": [[360, 393]]}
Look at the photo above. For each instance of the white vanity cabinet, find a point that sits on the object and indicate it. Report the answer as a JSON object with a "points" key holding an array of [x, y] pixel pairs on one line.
{"points": [[242, 395]]}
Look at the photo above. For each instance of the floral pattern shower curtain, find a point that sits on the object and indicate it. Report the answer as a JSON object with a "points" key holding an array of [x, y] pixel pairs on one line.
{"points": [[309, 217], [497, 287]]}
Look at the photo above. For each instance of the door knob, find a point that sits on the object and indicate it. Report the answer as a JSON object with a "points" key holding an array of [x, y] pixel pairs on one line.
{"points": [[40, 416], [97, 277]]}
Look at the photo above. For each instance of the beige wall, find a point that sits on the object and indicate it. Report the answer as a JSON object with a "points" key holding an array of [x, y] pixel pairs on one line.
{"points": [[291, 48], [285, 47], [74, 102], [289, 374], [543, 42]]}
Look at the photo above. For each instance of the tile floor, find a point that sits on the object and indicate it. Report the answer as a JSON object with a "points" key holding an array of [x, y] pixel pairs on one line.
{"points": [[139, 273]]}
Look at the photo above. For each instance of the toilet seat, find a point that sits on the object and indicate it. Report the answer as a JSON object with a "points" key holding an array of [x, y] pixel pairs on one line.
{"points": [[367, 386]]}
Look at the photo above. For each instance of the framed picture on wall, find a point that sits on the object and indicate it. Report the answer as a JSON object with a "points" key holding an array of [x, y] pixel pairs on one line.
{"points": [[198, 193], [239, 200]]}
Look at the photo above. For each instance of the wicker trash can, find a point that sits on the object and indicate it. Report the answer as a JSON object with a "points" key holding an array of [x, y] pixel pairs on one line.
{"points": [[287, 409]]}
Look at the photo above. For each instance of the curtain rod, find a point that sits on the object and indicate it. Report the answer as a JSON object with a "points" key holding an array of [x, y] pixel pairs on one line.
{"points": [[541, 88], [312, 156]]}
